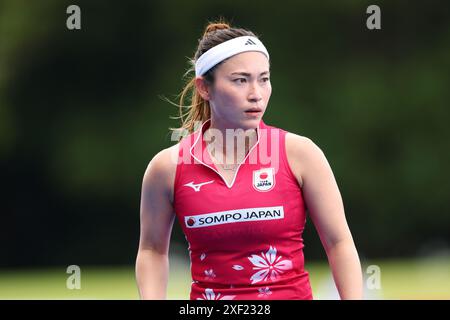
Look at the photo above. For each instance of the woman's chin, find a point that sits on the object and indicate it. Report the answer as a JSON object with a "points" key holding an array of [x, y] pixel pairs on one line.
{"points": [[251, 123]]}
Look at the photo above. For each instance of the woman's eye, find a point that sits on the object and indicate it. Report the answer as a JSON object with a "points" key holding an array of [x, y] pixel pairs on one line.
{"points": [[265, 79], [240, 80]]}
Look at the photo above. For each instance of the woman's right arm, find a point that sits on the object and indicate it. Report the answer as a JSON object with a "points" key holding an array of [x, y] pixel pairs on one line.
{"points": [[157, 217]]}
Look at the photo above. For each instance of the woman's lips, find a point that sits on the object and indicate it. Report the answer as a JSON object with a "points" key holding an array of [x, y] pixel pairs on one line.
{"points": [[253, 111]]}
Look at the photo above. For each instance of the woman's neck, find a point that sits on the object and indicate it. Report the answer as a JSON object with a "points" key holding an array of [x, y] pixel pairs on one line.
{"points": [[229, 145]]}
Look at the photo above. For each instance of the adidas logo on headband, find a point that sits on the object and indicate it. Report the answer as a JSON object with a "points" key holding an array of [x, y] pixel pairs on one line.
{"points": [[249, 41]]}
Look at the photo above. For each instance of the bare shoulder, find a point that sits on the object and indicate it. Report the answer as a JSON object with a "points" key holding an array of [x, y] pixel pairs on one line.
{"points": [[163, 162], [302, 153], [160, 172]]}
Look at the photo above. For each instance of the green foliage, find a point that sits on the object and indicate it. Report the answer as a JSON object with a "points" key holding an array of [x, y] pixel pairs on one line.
{"points": [[81, 116]]}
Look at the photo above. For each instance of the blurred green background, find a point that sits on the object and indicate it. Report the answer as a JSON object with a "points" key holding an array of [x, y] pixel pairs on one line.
{"points": [[82, 114]]}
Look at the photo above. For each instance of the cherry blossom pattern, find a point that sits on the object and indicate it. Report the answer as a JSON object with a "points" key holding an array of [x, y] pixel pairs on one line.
{"points": [[264, 292], [211, 295], [209, 274], [269, 266], [237, 267]]}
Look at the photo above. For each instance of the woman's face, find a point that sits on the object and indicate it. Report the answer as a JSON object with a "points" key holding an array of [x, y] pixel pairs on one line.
{"points": [[241, 91]]}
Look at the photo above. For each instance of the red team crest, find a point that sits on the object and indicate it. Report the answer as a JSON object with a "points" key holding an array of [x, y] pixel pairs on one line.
{"points": [[264, 179]]}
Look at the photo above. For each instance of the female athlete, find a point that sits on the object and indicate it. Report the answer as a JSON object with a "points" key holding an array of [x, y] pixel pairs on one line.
{"points": [[240, 188]]}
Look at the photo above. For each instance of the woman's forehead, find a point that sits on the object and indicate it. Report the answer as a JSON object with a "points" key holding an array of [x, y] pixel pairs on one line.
{"points": [[250, 62]]}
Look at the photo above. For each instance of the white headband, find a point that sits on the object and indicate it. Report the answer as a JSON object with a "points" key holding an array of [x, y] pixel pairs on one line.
{"points": [[225, 50]]}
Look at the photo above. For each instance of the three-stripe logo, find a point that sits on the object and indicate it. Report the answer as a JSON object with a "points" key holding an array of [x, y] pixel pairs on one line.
{"points": [[249, 42]]}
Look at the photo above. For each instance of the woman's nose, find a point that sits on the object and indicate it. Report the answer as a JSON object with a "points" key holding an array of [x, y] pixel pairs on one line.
{"points": [[255, 93]]}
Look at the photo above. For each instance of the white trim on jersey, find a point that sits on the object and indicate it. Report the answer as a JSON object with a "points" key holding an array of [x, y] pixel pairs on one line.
{"points": [[200, 133]]}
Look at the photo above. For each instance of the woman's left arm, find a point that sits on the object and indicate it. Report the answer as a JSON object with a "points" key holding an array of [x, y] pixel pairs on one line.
{"points": [[325, 207]]}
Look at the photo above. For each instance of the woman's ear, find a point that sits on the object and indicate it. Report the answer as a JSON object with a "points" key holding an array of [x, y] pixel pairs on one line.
{"points": [[202, 88]]}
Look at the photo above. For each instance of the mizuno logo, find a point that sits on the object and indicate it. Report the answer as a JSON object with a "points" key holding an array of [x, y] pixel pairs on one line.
{"points": [[197, 186], [249, 41]]}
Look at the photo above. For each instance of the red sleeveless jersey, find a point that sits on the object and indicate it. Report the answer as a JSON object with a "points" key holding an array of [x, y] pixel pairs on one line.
{"points": [[245, 239]]}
